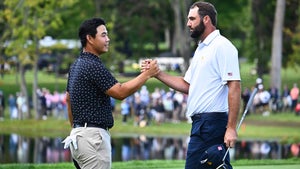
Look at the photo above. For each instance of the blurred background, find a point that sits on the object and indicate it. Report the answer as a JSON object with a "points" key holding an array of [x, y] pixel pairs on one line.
{"points": [[40, 37]]}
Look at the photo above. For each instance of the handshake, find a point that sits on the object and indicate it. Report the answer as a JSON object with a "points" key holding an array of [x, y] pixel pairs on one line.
{"points": [[150, 67]]}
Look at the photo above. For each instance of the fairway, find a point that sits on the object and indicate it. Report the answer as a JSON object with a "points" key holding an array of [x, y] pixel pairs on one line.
{"points": [[249, 167], [167, 164], [260, 167], [269, 167], [234, 167], [256, 167], [179, 164]]}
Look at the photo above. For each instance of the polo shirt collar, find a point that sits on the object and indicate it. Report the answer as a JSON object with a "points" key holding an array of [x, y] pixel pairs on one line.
{"points": [[90, 55], [210, 37]]}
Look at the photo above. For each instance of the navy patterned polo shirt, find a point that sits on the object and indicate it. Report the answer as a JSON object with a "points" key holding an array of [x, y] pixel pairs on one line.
{"points": [[88, 80]]}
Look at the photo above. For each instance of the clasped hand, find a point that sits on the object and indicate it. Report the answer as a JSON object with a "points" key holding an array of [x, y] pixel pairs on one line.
{"points": [[150, 66]]}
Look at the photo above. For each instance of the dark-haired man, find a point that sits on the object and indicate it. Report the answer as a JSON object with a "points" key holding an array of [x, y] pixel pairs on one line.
{"points": [[212, 83], [89, 88]]}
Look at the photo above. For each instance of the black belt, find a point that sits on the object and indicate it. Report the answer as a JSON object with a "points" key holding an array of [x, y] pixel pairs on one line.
{"points": [[76, 125], [208, 114]]}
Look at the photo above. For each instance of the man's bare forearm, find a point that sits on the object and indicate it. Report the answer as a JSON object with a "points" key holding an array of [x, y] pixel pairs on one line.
{"points": [[69, 108], [234, 97], [174, 82]]}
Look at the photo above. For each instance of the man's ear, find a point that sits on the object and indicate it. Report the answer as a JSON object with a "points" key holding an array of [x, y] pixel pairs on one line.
{"points": [[206, 19], [89, 38]]}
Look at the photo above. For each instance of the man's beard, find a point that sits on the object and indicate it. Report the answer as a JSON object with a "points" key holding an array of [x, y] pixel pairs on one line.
{"points": [[198, 30]]}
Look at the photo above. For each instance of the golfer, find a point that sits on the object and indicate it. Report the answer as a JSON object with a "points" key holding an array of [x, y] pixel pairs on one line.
{"points": [[89, 89], [212, 83]]}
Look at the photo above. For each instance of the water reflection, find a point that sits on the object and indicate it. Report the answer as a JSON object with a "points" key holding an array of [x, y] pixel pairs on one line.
{"points": [[18, 149], [144, 148]]}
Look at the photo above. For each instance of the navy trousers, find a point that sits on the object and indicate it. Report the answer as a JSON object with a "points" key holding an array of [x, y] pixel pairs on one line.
{"points": [[208, 129]]}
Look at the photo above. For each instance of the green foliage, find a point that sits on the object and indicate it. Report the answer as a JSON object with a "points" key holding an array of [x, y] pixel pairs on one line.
{"points": [[294, 59], [291, 29], [138, 25], [133, 25], [72, 16], [27, 22]]}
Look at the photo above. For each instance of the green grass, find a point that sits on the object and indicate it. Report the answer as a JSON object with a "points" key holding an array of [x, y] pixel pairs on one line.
{"points": [[168, 164], [284, 128], [10, 83]]}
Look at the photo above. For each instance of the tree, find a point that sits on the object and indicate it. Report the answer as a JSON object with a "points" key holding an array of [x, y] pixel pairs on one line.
{"points": [[181, 44], [277, 44], [259, 37], [262, 20], [28, 22], [292, 33], [140, 26]]}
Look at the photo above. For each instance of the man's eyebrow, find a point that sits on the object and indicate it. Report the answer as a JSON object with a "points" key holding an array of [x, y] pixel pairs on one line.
{"points": [[104, 33]]}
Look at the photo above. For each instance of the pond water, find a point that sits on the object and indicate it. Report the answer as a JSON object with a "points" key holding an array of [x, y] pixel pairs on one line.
{"points": [[18, 149]]}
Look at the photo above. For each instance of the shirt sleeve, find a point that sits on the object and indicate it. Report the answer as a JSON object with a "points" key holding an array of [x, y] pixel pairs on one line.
{"points": [[187, 76], [103, 78], [228, 63]]}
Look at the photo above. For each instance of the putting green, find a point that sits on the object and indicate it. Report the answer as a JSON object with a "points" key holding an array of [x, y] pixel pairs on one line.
{"points": [[268, 167]]}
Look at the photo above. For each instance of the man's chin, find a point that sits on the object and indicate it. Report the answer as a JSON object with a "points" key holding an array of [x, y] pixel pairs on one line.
{"points": [[194, 36]]}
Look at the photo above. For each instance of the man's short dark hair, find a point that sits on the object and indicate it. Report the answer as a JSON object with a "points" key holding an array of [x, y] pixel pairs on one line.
{"points": [[89, 27], [206, 8]]}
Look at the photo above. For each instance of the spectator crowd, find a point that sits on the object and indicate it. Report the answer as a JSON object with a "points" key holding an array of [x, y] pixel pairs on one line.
{"points": [[49, 104], [156, 107], [267, 101]]}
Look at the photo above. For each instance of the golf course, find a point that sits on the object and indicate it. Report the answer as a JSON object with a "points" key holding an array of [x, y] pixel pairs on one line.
{"points": [[282, 126]]}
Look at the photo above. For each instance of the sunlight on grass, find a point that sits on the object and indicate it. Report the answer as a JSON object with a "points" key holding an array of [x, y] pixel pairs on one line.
{"points": [[269, 167], [167, 164]]}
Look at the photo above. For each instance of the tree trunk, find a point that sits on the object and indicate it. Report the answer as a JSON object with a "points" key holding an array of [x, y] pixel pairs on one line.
{"points": [[186, 40], [24, 92], [181, 40], [35, 76], [277, 44], [177, 30], [97, 7], [34, 92]]}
